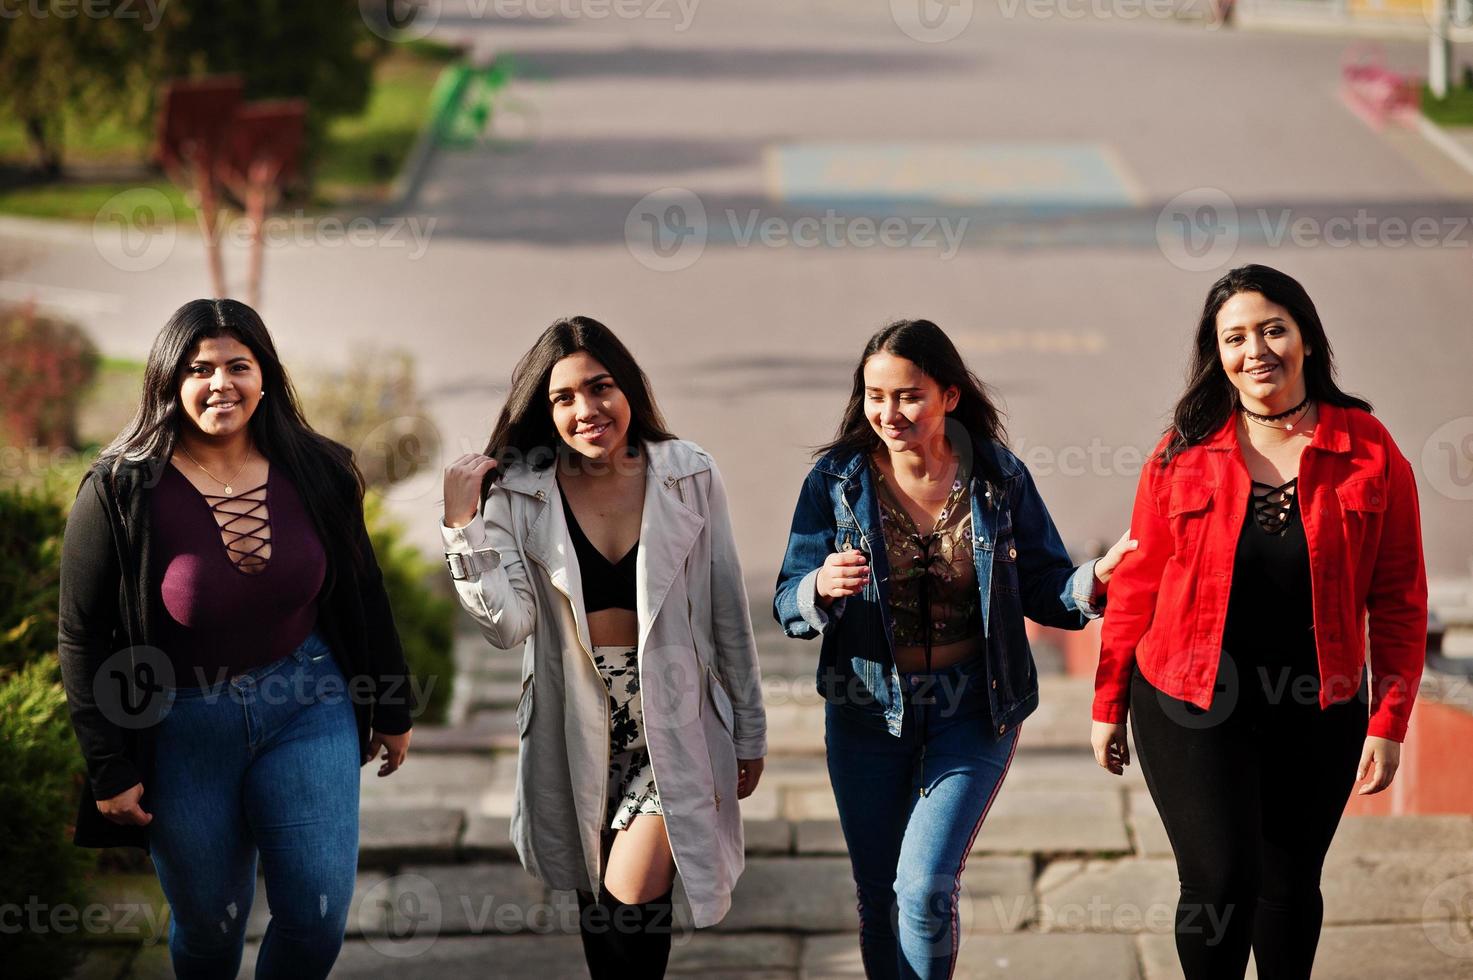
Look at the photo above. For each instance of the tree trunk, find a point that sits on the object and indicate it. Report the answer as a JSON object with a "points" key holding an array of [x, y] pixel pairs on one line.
{"points": [[48, 154]]}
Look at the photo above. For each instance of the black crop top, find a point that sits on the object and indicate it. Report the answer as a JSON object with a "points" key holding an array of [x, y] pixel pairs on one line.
{"points": [[606, 585]]}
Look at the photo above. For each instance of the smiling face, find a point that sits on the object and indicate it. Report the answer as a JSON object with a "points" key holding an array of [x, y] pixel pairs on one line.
{"points": [[589, 410], [220, 387], [1262, 352], [905, 406]]}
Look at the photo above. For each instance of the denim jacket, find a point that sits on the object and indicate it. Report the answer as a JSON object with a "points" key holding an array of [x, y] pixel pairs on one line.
{"points": [[1022, 570]]}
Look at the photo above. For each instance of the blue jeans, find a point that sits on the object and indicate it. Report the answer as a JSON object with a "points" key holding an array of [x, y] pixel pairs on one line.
{"points": [[910, 808], [265, 763]]}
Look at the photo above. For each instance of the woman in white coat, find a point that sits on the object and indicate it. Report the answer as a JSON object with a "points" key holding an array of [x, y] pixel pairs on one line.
{"points": [[602, 541]]}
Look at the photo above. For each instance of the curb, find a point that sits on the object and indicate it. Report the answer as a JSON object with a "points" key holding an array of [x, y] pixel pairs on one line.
{"points": [[1439, 138], [444, 100]]}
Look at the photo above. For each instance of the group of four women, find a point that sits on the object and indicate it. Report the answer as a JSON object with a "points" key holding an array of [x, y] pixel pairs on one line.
{"points": [[220, 532]]}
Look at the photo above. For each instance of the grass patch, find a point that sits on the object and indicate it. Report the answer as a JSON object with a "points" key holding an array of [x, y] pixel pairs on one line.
{"points": [[1455, 110], [360, 156], [80, 200]]}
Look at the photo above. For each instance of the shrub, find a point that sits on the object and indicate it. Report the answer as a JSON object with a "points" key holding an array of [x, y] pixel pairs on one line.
{"points": [[45, 364], [43, 764], [423, 613], [374, 408], [30, 552]]}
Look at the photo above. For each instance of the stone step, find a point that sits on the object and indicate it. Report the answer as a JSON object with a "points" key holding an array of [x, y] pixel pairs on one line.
{"points": [[1428, 951]]}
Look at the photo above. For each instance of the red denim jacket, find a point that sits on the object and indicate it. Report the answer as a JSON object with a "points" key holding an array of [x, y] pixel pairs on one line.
{"points": [[1168, 600]]}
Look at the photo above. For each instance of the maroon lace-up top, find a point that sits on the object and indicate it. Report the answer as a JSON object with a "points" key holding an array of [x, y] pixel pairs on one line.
{"points": [[229, 608]]}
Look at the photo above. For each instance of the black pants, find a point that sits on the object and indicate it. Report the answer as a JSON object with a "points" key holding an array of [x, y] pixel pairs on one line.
{"points": [[1251, 792]]}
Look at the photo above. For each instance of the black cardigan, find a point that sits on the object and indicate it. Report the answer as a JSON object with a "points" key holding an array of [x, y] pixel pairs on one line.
{"points": [[110, 603]]}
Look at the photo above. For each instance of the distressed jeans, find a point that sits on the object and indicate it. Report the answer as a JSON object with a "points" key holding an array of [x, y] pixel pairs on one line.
{"points": [[264, 764]]}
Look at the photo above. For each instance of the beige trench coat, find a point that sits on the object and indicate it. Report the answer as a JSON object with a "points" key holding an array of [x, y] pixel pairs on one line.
{"points": [[700, 683]]}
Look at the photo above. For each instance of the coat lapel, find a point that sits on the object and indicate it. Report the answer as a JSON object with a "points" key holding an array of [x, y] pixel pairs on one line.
{"points": [[549, 543], [668, 529]]}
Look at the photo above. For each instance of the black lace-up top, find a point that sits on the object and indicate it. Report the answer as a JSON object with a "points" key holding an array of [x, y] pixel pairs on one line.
{"points": [[1271, 608]]}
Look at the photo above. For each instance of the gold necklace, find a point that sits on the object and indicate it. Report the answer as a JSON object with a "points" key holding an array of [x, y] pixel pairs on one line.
{"points": [[229, 489]]}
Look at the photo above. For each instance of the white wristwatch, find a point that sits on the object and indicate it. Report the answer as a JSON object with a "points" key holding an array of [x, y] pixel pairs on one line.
{"points": [[463, 565]]}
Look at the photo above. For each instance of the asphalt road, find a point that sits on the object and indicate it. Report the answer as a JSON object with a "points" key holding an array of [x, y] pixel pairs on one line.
{"points": [[1031, 168]]}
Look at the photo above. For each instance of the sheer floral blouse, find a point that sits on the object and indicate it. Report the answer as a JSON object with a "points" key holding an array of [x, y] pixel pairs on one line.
{"points": [[934, 570]]}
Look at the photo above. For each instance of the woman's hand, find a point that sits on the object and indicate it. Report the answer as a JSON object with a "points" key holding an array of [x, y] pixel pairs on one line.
{"points": [[1378, 759], [748, 772], [395, 747], [844, 573], [1112, 748], [463, 479], [1106, 566], [124, 808]]}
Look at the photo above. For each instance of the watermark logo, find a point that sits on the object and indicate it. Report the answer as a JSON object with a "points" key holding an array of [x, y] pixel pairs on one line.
{"points": [[148, 12], [1447, 459], [134, 687], [1198, 229], [134, 230], [666, 230], [932, 21], [401, 454], [1447, 917], [400, 20], [412, 916], [669, 229]]}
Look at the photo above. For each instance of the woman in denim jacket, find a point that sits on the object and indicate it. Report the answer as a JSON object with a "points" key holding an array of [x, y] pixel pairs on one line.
{"points": [[925, 665]]}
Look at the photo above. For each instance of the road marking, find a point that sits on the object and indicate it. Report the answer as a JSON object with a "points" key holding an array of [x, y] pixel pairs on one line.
{"points": [[1044, 175]]}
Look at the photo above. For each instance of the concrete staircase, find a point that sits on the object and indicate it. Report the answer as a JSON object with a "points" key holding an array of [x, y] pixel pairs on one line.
{"points": [[1071, 877]]}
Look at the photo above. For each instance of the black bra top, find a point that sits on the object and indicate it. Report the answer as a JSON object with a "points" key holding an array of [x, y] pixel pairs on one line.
{"points": [[606, 584]]}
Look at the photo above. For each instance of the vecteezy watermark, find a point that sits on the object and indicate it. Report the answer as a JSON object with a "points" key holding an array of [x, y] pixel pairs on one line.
{"points": [[1198, 229], [133, 688], [1201, 229], [1111, 10], [932, 21], [404, 915], [1447, 917], [148, 12], [401, 916], [404, 454], [669, 229], [1095, 460], [36, 917], [135, 230], [408, 232], [1447, 459], [410, 20]]}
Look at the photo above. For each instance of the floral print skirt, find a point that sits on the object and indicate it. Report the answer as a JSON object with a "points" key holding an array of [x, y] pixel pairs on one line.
{"points": [[631, 778]]}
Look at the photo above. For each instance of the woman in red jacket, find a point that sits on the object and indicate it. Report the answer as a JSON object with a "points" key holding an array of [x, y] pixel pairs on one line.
{"points": [[1274, 515]]}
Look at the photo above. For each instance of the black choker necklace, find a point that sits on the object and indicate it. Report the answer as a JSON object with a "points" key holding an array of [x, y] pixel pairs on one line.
{"points": [[1275, 419]]}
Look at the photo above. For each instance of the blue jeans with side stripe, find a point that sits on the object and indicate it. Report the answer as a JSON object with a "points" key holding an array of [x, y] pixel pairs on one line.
{"points": [[908, 849], [265, 764]]}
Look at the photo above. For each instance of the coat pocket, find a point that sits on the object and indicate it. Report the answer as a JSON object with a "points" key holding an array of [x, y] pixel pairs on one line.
{"points": [[1186, 507], [721, 701], [524, 708], [1363, 507]]}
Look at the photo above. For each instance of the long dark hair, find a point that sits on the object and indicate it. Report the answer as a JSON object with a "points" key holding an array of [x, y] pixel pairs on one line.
{"points": [[524, 430], [319, 468], [926, 346], [1210, 399]]}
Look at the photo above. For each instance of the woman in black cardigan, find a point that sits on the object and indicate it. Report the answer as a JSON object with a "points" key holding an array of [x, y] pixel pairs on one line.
{"points": [[228, 650]]}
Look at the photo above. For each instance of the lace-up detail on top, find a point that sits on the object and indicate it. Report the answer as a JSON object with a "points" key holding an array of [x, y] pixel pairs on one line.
{"points": [[245, 527], [1273, 507]]}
